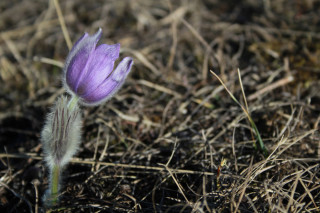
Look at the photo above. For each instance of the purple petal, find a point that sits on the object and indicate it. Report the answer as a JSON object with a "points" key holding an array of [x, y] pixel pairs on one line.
{"points": [[78, 58], [99, 68], [76, 46], [73, 51], [111, 85], [123, 69]]}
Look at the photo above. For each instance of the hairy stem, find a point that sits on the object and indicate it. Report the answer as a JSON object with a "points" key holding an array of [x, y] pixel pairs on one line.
{"points": [[73, 102]]}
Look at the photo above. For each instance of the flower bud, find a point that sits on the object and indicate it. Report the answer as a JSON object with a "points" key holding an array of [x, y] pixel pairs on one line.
{"points": [[88, 71]]}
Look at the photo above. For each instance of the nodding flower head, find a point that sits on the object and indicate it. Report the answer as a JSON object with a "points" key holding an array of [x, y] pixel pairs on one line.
{"points": [[88, 71], [61, 133]]}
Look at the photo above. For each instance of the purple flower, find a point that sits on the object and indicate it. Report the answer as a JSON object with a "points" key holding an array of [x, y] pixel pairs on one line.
{"points": [[88, 72]]}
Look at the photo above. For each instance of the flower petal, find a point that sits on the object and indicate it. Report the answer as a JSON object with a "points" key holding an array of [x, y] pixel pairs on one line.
{"points": [[78, 58], [111, 85], [76, 47], [99, 68], [123, 69]]}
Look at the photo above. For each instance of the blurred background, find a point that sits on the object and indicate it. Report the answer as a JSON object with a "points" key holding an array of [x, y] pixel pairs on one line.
{"points": [[172, 139]]}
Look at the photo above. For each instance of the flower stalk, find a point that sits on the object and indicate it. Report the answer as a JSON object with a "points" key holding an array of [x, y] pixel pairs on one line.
{"points": [[60, 140], [73, 102], [55, 184]]}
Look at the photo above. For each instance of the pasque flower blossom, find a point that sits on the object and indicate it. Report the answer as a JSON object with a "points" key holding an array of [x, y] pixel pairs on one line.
{"points": [[89, 77], [88, 71]]}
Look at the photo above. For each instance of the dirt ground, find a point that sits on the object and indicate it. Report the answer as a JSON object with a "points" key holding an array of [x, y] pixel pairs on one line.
{"points": [[173, 139]]}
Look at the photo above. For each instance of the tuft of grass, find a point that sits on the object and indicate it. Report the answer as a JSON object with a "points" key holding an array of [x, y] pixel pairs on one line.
{"points": [[245, 109]]}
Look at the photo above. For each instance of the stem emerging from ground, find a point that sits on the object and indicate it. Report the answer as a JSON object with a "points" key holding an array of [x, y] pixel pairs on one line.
{"points": [[60, 139], [55, 184]]}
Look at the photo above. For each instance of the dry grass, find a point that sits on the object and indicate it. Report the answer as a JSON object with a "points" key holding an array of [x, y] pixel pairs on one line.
{"points": [[172, 140]]}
